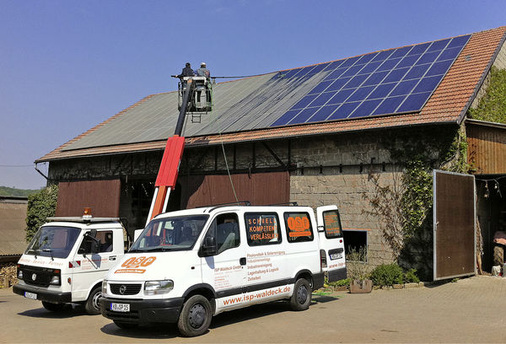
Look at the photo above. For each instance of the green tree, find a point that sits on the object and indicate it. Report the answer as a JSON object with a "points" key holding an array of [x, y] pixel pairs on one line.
{"points": [[41, 205]]}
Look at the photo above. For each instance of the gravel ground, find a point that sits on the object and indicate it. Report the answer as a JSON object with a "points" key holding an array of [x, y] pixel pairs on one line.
{"points": [[468, 311]]}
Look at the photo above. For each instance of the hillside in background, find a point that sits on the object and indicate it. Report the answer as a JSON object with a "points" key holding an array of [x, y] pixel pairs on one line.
{"points": [[6, 191]]}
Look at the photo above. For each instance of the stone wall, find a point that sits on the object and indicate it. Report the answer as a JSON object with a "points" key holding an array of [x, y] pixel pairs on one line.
{"points": [[331, 169], [347, 192], [336, 170], [500, 61]]}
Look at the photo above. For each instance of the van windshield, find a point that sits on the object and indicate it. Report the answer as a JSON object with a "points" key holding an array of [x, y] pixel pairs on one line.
{"points": [[53, 241], [170, 234]]}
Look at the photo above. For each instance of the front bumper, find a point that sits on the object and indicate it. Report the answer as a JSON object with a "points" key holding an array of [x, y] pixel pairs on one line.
{"points": [[144, 311], [43, 294]]}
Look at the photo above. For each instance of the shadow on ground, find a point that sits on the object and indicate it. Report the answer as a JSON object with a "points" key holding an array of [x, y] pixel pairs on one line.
{"points": [[166, 331]]}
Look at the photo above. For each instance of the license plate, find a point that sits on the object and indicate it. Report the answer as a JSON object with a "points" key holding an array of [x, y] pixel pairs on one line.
{"points": [[335, 256], [120, 307], [32, 296]]}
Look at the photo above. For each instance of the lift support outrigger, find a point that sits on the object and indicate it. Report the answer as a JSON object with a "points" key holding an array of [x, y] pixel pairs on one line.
{"points": [[195, 96]]}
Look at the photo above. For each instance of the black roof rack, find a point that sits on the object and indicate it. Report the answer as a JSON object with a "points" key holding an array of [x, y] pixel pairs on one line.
{"points": [[285, 203], [216, 206]]}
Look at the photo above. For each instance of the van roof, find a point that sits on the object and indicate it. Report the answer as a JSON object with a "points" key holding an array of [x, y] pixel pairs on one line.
{"points": [[228, 207], [81, 219]]}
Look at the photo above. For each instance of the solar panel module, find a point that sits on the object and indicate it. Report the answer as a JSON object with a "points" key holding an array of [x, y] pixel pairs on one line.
{"points": [[392, 81]]}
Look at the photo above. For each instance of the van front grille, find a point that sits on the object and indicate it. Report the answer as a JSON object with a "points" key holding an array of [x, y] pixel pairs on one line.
{"points": [[125, 289]]}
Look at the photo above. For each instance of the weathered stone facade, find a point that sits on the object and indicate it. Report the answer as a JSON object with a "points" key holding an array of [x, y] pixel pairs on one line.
{"points": [[323, 170]]}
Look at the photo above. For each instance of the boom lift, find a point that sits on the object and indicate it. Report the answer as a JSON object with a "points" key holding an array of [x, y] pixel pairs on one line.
{"points": [[194, 96]]}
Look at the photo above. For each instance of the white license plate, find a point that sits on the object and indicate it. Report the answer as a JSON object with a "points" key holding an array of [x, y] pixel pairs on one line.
{"points": [[335, 256], [32, 296], [120, 307]]}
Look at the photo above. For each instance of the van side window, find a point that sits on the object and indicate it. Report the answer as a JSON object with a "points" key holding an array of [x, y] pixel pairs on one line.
{"points": [[105, 238], [225, 228], [105, 242], [298, 227], [332, 223], [262, 229]]}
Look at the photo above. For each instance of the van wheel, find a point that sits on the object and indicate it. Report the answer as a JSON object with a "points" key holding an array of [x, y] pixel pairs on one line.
{"points": [[301, 297], [92, 305], [53, 307], [195, 316]]}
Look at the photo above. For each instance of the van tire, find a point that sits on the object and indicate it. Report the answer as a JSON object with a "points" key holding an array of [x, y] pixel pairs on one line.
{"points": [[195, 317], [301, 298], [53, 307], [92, 305]]}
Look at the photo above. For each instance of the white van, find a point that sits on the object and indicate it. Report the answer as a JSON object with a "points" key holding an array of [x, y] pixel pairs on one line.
{"points": [[189, 265], [67, 260]]}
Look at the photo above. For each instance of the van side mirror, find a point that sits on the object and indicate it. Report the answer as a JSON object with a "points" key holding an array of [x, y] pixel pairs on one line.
{"points": [[94, 245], [208, 247]]}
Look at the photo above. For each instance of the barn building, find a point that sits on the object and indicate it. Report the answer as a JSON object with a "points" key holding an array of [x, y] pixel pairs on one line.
{"points": [[365, 133]]}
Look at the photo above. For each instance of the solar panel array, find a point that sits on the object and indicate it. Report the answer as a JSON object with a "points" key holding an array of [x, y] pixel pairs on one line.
{"points": [[387, 82]]}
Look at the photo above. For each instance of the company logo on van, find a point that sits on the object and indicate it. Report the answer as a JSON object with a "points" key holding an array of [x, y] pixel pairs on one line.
{"points": [[134, 265], [298, 226]]}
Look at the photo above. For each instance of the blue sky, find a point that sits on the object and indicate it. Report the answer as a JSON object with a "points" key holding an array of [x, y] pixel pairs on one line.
{"points": [[67, 65]]}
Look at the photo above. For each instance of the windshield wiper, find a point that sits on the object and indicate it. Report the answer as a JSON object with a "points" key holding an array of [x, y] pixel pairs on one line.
{"points": [[148, 249], [35, 252], [50, 252]]}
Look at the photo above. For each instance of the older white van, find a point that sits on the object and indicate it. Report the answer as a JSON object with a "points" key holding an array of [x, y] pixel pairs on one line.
{"points": [[189, 265], [67, 260]]}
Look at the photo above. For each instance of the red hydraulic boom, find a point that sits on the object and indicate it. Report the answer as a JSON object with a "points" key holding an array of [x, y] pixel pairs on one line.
{"points": [[190, 101]]}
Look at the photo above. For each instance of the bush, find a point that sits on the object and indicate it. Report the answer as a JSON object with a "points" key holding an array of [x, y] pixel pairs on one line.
{"points": [[411, 277], [387, 275], [41, 205], [341, 283], [390, 274]]}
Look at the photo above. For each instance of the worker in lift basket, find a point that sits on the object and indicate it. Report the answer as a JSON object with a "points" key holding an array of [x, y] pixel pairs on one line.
{"points": [[203, 71], [187, 71]]}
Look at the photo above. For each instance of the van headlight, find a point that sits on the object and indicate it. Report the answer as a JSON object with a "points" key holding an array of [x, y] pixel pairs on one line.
{"points": [[104, 287], [55, 280], [158, 287]]}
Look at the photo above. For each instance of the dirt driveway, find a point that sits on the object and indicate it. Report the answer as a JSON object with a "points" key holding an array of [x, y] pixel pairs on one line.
{"points": [[470, 310]]}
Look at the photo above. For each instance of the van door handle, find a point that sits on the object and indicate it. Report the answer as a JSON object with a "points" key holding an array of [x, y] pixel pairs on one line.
{"points": [[242, 261]]}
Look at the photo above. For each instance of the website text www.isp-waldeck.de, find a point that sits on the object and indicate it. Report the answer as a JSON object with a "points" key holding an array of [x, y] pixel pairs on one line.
{"points": [[255, 296]]}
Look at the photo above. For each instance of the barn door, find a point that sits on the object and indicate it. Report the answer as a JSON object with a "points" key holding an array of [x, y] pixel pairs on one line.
{"points": [[454, 225]]}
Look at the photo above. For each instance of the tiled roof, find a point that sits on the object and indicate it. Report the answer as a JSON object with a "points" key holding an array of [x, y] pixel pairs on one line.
{"points": [[249, 102]]}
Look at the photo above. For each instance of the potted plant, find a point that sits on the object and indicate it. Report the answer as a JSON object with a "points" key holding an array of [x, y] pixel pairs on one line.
{"points": [[358, 271]]}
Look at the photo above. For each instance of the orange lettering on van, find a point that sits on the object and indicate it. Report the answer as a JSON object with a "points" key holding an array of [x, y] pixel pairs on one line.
{"points": [[298, 223], [135, 262]]}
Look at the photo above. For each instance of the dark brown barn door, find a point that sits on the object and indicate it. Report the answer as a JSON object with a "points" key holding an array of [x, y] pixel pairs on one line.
{"points": [[454, 225], [102, 196], [257, 188]]}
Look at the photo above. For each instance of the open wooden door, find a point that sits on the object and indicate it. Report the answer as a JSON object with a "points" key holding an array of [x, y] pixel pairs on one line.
{"points": [[454, 225]]}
